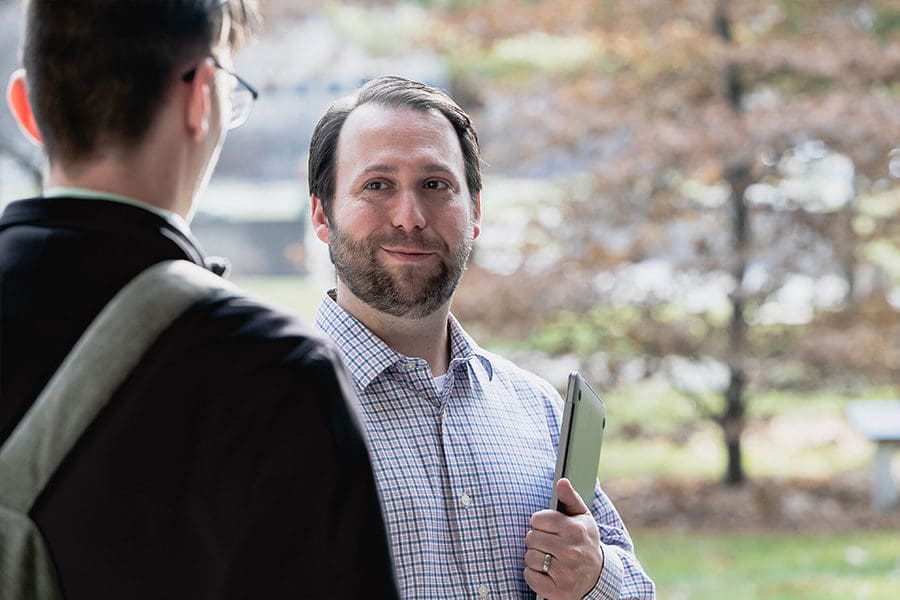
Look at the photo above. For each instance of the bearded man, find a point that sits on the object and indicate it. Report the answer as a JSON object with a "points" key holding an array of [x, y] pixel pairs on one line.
{"points": [[463, 441]]}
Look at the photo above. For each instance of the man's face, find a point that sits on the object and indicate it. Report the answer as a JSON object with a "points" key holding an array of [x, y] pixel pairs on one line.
{"points": [[402, 220]]}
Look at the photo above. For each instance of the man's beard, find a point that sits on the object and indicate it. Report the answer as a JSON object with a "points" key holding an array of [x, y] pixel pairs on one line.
{"points": [[410, 291]]}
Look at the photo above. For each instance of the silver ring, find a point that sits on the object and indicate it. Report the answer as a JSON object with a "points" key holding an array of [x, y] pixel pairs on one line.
{"points": [[546, 567]]}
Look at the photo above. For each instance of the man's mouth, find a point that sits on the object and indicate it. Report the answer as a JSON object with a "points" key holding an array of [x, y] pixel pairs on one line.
{"points": [[410, 255]]}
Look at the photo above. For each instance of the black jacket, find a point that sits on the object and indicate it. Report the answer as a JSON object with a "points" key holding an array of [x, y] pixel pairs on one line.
{"points": [[228, 465]]}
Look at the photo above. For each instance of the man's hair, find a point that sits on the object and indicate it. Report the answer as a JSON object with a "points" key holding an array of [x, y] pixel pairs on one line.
{"points": [[98, 70], [395, 92]]}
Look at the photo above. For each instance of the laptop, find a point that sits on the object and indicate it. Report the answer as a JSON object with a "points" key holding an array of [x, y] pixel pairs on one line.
{"points": [[580, 439]]}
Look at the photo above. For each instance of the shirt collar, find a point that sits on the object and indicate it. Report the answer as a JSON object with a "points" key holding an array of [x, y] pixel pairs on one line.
{"points": [[174, 219], [463, 347], [367, 356]]}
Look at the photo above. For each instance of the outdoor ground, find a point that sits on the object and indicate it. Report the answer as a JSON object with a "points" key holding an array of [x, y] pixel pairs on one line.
{"points": [[801, 528], [836, 505], [775, 537], [788, 539], [772, 565]]}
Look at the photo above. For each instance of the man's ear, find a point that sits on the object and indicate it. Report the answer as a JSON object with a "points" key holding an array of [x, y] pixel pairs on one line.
{"points": [[476, 217], [198, 101], [318, 218], [20, 107]]}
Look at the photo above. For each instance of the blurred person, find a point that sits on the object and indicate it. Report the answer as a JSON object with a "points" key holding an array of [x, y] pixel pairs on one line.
{"points": [[230, 463], [463, 441]]}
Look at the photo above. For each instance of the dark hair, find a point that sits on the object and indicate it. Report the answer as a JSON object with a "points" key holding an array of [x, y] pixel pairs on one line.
{"points": [[98, 70], [389, 91]]}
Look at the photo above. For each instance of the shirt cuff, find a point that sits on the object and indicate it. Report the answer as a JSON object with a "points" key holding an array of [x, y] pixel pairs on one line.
{"points": [[612, 576]]}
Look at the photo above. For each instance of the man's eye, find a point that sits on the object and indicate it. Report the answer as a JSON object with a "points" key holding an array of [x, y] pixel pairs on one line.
{"points": [[436, 185], [375, 185]]}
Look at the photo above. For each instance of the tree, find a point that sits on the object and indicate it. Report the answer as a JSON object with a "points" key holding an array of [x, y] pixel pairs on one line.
{"points": [[716, 161]]}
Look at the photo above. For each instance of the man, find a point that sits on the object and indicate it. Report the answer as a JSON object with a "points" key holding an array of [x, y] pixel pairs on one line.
{"points": [[463, 442], [229, 464]]}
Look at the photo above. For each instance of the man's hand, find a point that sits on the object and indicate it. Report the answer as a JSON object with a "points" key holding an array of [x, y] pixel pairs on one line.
{"points": [[571, 540]]}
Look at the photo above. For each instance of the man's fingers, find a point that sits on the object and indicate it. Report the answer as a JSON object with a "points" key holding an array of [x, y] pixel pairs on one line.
{"points": [[541, 584], [542, 541], [570, 502], [538, 580], [551, 521], [534, 560], [571, 540]]}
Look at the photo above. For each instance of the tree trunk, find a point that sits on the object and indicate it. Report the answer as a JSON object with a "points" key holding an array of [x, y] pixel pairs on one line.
{"points": [[739, 176], [734, 474], [732, 417], [847, 248], [733, 427]]}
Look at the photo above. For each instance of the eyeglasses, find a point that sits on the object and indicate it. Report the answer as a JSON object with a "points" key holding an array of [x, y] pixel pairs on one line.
{"points": [[242, 96]]}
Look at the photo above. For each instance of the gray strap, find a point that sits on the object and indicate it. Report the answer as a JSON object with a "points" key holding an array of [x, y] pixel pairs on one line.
{"points": [[100, 362]]}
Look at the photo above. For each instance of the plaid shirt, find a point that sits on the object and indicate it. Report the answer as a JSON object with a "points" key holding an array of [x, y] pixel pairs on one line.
{"points": [[461, 470]]}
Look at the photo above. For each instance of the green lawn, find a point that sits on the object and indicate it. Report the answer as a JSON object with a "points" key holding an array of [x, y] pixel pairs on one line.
{"points": [[703, 457], [772, 565], [654, 431], [654, 406]]}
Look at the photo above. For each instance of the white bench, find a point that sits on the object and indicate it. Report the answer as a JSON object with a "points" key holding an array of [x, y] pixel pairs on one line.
{"points": [[879, 421]]}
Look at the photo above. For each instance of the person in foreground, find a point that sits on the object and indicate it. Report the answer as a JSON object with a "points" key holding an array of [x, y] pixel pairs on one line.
{"points": [[463, 442], [231, 462]]}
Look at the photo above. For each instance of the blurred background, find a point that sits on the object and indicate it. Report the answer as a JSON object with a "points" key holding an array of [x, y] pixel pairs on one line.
{"points": [[694, 202]]}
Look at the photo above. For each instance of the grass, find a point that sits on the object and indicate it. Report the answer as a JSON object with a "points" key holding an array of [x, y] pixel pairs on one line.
{"points": [[805, 437], [775, 566], [657, 407], [702, 456]]}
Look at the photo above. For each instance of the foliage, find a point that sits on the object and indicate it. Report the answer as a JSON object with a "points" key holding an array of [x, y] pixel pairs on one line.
{"points": [[721, 177], [772, 565], [725, 167]]}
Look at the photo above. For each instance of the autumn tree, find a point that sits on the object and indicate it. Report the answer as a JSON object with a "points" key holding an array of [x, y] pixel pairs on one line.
{"points": [[728, 193]]}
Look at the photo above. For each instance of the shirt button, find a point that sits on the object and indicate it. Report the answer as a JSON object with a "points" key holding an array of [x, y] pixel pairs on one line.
{"points": [[411, 365], [466, 500], [483, 591]]}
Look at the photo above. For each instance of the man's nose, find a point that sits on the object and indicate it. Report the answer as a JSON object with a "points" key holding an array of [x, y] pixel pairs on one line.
{"points": [[408, 213]]}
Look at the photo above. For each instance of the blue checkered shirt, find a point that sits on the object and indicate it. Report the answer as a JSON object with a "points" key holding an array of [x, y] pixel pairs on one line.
{"points": [[461, 470]]}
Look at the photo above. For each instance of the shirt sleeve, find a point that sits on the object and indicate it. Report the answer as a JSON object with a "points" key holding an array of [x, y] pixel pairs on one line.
{"points": [[622, 575]]}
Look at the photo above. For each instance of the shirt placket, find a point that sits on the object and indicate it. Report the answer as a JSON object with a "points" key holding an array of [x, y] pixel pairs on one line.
{"points": [[418, 380], [469, 499]]}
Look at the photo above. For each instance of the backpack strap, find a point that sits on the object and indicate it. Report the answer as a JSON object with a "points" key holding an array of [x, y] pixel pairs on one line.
{"points": [[95, 368]]}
